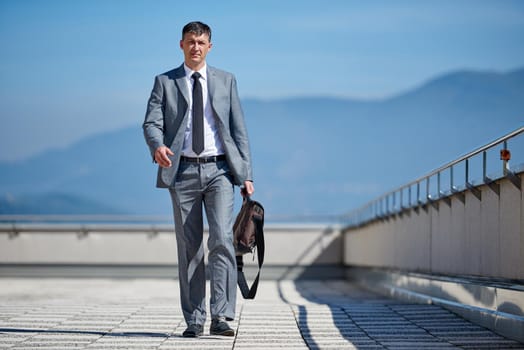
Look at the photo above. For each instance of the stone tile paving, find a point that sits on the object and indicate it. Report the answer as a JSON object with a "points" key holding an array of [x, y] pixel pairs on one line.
{"points": [[53, 314]]}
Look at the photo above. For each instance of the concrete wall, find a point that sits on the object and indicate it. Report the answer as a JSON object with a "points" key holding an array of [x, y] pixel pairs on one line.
{"points": [[466, 236], [300, 247]]}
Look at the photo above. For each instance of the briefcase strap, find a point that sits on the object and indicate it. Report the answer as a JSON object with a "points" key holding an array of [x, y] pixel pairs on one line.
{"points": [[250, 292]]}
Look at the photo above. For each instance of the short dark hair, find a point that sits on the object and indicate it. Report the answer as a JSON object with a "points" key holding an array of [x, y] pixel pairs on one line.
{"points": [[197, 28]]}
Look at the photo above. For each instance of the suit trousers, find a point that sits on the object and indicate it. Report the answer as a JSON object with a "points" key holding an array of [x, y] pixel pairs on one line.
{"points": [[206, 186]]}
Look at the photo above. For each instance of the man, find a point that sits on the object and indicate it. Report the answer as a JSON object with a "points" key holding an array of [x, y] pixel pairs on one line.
{"points": [[194, 127]]}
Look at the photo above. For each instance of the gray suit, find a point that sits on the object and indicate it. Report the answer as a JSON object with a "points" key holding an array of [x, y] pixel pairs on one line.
{"points": [[166, 120], [193, 185]]}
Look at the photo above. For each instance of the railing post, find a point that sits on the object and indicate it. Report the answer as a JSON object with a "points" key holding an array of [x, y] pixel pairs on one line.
{"points": [[428, 196], [491, 184], [418, 193], [484, 167], [470, 186], [439, 194], [467, 172], [451, 186], [505, 161], [394, 204]]}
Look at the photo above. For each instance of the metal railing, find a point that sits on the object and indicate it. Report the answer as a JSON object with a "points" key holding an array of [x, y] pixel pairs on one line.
{"points": [[83, 225], [453, 178], [85, 219]]}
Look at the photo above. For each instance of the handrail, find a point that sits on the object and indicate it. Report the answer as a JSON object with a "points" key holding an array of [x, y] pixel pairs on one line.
{"points": [[14, 230], [111, 220], [466, 156], [380, 207], [80, 218]]}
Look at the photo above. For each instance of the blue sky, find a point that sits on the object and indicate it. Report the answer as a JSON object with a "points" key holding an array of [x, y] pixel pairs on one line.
{"points": [[74, 68]]}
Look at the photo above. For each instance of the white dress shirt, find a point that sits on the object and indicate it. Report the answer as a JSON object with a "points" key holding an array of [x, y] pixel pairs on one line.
{"points": [[212, 143]]}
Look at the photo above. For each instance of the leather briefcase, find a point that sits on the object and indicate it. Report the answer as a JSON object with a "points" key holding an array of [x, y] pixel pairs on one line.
{"points": [[248, 233]]}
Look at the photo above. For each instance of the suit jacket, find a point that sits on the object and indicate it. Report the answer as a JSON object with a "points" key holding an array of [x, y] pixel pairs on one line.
{"points": [[167, 116]]}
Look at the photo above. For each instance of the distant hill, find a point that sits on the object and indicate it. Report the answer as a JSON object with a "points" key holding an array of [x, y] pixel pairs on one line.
{"points": [[312, 155], [55, 203]]}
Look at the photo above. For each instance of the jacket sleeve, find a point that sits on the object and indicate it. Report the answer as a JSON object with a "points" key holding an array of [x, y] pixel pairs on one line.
{"points": [[153, 126], [239, 130]]}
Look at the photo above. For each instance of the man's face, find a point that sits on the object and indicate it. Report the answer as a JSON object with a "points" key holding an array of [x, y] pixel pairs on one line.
{"points": [[195, 49]]}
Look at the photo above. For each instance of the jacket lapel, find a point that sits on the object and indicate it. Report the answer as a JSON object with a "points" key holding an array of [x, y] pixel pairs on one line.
{"points": [[180, 79], [214, 93]]}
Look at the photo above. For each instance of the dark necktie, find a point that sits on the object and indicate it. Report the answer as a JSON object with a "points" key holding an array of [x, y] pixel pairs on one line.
{"points": [[198, 115]]}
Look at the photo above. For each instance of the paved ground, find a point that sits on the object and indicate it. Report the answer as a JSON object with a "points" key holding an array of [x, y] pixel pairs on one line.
{"points": [[144, 314]]}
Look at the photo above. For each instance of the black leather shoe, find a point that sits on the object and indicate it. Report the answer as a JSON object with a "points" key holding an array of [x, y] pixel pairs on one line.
{"points": [[194, 330], [220, 327]]}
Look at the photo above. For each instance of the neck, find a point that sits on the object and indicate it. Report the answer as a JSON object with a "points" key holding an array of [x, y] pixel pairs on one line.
{"points": [[195, 67]]}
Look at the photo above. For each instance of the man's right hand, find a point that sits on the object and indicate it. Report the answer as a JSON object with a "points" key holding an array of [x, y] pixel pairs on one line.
{"points": [[161, 156]]}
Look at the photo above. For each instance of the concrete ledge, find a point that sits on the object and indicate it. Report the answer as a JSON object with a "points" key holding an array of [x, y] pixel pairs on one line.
{"points": [[497, 305], [291, 245]]}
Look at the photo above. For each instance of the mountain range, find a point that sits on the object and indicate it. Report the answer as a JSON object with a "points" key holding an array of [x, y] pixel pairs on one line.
{"points": [[312, 155]]}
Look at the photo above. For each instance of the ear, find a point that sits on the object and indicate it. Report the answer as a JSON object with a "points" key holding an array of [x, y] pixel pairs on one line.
{"points": [[182, 44]]}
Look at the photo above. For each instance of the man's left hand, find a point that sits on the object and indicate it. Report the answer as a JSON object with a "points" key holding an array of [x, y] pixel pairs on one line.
{"points": [[248, 189]]}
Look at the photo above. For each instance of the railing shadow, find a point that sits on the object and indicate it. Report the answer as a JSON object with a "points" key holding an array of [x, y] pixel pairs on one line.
{"points": [[307, 273]]}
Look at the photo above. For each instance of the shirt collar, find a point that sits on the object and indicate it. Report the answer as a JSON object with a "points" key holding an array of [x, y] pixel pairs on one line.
{"points": [[202, 71]]}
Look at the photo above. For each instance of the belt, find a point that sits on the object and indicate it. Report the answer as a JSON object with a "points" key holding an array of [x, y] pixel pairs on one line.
{"points": [[211, 159]]}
